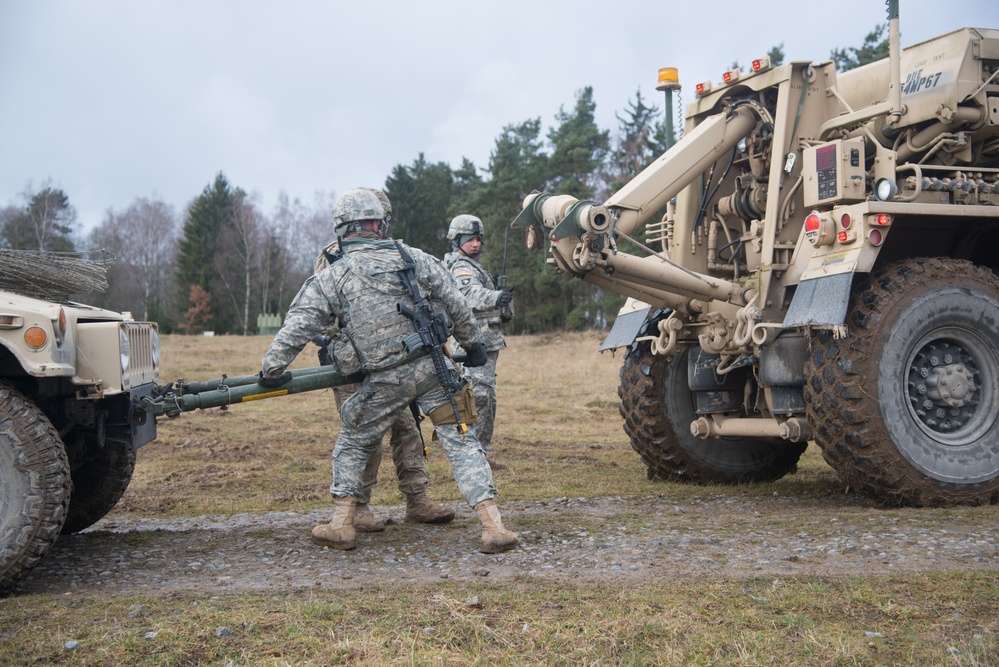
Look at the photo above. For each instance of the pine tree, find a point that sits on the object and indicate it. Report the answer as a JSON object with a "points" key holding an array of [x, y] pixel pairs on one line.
{"points": [[199, 245], [421, 196], [635, 146], [874, 48], [578, 148]]}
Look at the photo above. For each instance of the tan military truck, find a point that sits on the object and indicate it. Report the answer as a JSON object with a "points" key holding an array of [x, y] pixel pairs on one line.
{"points": [[71, 381], [817, 264]]}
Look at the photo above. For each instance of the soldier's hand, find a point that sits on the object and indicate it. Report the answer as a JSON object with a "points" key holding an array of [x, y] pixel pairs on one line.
{"points": [[324, 356], [505, 298], [273, 382], [475, 355], [324, 349]]}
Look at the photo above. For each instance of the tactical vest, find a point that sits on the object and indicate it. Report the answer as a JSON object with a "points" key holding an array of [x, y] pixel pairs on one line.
{"points": [[489, 315], [369, 290]]}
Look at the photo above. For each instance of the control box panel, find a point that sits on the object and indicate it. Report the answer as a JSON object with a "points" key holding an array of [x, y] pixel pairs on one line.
{"points": [[834, 172]]}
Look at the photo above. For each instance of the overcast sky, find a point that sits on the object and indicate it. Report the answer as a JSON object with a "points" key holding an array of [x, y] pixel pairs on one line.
{"points": [[118, 100]]}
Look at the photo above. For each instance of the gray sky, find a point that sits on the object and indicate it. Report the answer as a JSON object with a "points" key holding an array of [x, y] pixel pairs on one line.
{"points": [[114, 100]]}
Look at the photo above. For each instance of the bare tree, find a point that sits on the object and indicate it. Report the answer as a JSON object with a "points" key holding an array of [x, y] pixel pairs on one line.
{"points": [[45, 220], [143, 237], [301, 232], [237, 261]]}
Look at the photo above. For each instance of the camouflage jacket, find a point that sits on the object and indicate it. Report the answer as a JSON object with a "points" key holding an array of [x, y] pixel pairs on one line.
{"points": [[359, 295], [480, 290]]}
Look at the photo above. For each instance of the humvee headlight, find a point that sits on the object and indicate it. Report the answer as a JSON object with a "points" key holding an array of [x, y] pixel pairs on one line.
{"points": [[156, 349], [124, 348], [885, 189]]}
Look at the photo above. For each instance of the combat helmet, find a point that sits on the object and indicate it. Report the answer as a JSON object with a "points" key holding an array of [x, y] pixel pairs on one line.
{"points": [[353, 207], [463, 228], [383, 198]]}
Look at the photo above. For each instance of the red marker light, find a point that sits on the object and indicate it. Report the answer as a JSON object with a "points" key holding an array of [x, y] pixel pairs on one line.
{"points": [[882, 219], [700, 88], [812, 223], [727, 77]]}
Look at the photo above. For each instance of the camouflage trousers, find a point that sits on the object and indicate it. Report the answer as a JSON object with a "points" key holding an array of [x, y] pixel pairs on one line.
{"points": [[406, 445], [483, 381], [369, 413]]}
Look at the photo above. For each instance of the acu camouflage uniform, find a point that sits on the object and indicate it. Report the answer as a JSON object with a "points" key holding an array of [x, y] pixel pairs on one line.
{"points": [[405, 439], [480, 290], [360, 292]]}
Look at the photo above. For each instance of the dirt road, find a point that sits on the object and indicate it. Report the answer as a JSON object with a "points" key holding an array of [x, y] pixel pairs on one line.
{"points": [[621, 540]]}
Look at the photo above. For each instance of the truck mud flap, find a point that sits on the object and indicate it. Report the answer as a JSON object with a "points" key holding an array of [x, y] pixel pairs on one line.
{"points": [[821, 301], [625, 329]]}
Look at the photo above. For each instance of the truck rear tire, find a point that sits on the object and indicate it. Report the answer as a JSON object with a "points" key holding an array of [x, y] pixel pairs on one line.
{"points": [[34, 486], [906, 408], [98, 484], [658, 407]]}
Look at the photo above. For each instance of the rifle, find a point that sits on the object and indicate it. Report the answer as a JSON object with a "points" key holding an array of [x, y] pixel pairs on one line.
{"points": [[432, 331]]}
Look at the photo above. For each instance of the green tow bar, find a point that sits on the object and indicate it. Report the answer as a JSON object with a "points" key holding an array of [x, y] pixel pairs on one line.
{"points": [[225, 391]]}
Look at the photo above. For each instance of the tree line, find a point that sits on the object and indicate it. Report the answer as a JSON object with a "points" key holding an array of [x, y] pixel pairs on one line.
{"points": [[223, 261]]}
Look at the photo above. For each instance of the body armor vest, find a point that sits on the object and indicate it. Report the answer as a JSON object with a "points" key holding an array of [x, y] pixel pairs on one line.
{"points": [[370, 290], [490, 315]]}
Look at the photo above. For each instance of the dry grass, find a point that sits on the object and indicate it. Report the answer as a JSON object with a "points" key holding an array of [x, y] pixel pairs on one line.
{"points": [[557, 431], [559, 434], [903, 620]]}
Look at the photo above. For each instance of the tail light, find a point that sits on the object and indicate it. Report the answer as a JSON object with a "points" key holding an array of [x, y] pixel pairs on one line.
{"points": [[819, 230]]}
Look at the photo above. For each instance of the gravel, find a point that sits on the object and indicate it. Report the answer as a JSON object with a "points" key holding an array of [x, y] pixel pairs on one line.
{"points": [[621, 540]]}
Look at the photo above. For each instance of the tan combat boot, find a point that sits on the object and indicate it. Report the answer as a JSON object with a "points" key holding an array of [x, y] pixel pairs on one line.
{"points": [[365, 521], [420, 509], [495, 538], [338, 533]]}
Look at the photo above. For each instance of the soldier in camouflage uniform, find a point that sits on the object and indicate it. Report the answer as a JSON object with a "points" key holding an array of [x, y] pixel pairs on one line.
{"points": [[361, 294], [405, 439], [491, 307]]}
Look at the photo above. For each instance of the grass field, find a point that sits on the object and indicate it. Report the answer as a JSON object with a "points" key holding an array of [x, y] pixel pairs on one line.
{"points": [[559, 435]]}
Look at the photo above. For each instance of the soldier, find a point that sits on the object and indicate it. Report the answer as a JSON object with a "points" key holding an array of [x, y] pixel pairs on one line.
{"points": [[491, 307], [405, 439], [367, 293]]}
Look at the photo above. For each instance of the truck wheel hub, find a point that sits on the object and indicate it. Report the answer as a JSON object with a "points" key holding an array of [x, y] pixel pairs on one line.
{"points": [[942, 389]]}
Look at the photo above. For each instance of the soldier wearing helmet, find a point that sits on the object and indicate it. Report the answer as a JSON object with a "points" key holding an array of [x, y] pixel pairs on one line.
{"points": [[364, 295], [405, 439], [491, 307]]}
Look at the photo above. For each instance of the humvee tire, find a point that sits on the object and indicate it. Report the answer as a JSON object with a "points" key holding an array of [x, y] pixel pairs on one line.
{"points": [[98, 484], [907, 407], [34, 486], [657, 407]]}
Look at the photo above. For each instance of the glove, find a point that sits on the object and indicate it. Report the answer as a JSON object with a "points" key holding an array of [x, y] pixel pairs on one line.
{"points": [[273, 383], [505, 298], [324, 349], [475, 355]]}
